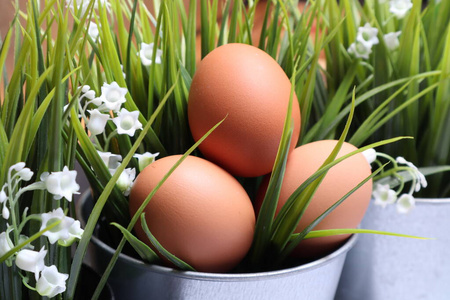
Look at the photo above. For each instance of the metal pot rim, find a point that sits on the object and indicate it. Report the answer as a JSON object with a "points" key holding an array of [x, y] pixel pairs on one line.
{"points": [[433, 200], [215, 276]]}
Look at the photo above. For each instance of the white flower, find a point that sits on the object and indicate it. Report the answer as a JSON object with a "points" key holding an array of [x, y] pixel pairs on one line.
{"points": [[405, 203], [383, 195], [112, 97], [61, 184], [17, 167], [145, 159], [367, 35], [75, 232], [31, 261], [5, 212], [90, 95], [93, 31], [127, 122], [359, 50], [51, 282], [97, 121], [5, 243], [85, 88], [370, 155], [3, 196], [400, 7], [25, 174], [126, 180], [61, 231], [391, 40], [420, 179], [146, 54], [112, 161]]}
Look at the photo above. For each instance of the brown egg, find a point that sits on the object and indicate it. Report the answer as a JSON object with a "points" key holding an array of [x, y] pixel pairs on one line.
{"points": [[246, 85], [201, 214], [340, 179]]}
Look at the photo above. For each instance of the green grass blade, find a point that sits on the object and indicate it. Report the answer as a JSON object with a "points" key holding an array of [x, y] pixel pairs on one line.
{"points": [[332, 232], [172, 258], [144, 251]]}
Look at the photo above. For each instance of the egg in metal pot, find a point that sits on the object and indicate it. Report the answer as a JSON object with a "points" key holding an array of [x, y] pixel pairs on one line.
{"points": [[340, 179], [201, 214], [248, 87]]}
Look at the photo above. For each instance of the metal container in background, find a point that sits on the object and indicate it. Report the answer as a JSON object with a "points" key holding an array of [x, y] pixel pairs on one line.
{"points": [[393, 268], [132, 279]]}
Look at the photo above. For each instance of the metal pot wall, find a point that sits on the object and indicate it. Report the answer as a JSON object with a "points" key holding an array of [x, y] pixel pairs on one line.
{"points": [[393, 268], [132, 279]]}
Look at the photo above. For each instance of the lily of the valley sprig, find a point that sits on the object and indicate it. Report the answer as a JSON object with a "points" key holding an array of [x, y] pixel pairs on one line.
{"points": [[55, 225], [367, 37], [108, 107], [390, 185]]}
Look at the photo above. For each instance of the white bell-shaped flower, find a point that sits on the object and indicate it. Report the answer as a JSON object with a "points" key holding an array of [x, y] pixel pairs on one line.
{"points": [[391, 40], [145, 159], [367, 35], [75, 233], [5, 212], [370, 155], [405, 203], [25, 174], [18, 166], [31, 261], [127, 122], [5, 243], [85, 88], [112, 161], [90, 95], [360, 50], [61, 231], [112, 97], [97, 121], [93, 31], [400, 7], [383, 195], [51, 282], [3, 196], [61, 184], [126, 180], [146, 54]]}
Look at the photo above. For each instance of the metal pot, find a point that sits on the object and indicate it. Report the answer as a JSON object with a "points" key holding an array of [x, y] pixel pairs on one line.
{"points": [[132, 279], [393, 268]]}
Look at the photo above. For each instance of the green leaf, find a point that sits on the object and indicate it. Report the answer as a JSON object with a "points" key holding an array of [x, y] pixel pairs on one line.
{"points": [[144, 251], [292, 211], [172, 258], [332, 232], [293, 243]]}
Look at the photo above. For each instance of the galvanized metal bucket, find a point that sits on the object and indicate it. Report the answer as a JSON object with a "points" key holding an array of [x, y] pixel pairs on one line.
{"points": [[393, 268], [132, 279]]}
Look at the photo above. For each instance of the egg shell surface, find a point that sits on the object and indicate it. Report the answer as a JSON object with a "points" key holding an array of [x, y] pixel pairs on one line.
{"points": [[249, 88], [340, 179], [201, 214]]}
